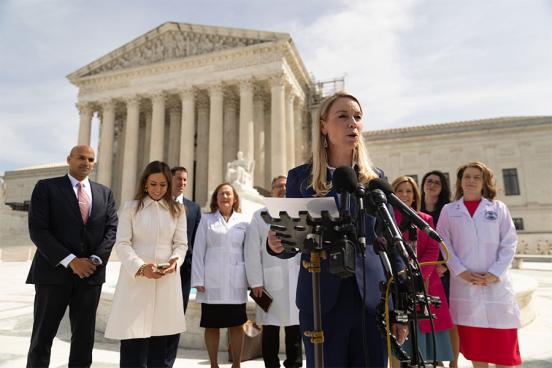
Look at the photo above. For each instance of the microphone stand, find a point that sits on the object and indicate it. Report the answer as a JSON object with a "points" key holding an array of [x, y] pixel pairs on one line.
{"points": [[393, 234], [313, 266], [309, 234]]}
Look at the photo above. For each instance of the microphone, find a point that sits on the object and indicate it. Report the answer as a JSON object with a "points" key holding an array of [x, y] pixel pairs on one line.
{"points": [[403, 208], [345, 182]]}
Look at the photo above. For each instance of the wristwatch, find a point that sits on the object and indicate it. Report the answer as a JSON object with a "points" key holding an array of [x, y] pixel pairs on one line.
{"points": [[95, 260]]}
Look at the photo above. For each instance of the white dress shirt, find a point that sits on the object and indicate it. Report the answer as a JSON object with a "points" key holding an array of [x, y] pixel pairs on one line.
{"points": [[86, 187]]}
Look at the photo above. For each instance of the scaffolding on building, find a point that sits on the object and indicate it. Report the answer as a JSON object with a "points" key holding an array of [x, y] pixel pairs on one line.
{"points": [[321, 89]]}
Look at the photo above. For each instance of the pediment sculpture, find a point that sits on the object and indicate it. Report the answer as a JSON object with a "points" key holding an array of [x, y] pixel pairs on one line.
{"points": [[171, 45]]}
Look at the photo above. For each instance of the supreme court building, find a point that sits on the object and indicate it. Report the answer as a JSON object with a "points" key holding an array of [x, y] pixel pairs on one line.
{"points": [[194, 95]]}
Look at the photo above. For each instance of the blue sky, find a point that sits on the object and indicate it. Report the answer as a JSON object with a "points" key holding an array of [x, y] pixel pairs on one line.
{"points": [[409, 62]]}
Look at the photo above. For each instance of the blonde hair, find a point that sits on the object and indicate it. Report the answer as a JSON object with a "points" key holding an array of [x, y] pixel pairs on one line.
{"points": [[319, 180], [407, 179], [489, 184]]}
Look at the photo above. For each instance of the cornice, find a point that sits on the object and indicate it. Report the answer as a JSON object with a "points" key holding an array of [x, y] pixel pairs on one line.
{"points": [[479, 125], [181, 34], [179, 64], [249, 56]]}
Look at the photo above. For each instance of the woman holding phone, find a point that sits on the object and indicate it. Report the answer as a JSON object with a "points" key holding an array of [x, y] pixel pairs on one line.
{"points": [[151, 243]]}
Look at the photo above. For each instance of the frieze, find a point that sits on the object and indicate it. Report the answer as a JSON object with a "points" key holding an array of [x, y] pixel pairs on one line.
{"points": [[174, 45]]}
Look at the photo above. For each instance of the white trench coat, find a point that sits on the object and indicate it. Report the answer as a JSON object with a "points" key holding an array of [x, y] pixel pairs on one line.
{"points": [[145, 307], [217, 261], [485, 243], [278, 276]]}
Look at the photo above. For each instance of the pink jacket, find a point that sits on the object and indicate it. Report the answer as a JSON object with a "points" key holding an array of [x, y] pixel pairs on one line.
{"points": [[427, 250]]}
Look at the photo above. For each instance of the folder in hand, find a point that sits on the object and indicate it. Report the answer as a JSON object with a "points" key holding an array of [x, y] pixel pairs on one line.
{"points": [[264, 301]]}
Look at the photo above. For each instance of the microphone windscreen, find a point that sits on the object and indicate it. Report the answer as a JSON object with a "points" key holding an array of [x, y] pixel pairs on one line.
{"points": [[344, 179], [380, 184]]}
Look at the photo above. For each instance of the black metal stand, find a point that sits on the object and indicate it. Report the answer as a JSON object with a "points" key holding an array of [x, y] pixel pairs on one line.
{"points": [[317, 335], [316, 236]]}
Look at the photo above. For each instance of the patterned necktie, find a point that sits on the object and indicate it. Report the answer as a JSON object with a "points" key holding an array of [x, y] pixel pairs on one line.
{"points": [[84, 202]]}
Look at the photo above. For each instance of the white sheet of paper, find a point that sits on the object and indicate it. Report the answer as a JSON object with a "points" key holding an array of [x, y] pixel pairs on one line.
{"points": [[293, 205]]}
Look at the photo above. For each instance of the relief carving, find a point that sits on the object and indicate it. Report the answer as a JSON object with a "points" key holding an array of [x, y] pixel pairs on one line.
{"points": [[174, 45]]}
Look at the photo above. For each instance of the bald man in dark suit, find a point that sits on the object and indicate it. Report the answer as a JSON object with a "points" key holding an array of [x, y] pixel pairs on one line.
{"points": [[72, 222]]}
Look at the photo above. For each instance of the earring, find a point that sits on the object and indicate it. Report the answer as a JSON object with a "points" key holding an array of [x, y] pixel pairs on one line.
{"points": [[325, 142]]}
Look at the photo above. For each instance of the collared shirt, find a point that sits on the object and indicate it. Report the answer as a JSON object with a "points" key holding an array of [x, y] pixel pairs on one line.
{"points": [[179, 199], [86, 187]]}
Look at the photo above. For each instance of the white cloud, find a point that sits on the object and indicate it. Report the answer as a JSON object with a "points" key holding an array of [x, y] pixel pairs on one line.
{"points": [[409, 62]]}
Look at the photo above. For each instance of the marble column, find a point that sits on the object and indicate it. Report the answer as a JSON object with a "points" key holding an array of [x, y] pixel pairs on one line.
{"points": [[85, 124], [157, 132], [315, 126], [230, 131], [268, 146], [290, 131], [246, 140], [130, 155], [278, 160], [215, 174], [299, 138], [148, 117], [174, 135], [202, 150], [259, 132], [105, 154], [187, 133]]}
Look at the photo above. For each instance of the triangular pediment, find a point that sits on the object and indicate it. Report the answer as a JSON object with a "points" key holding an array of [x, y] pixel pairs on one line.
{"points": [[172, 41]]}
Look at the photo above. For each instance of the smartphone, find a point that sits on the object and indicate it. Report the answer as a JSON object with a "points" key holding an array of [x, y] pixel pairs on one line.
{"points": [[162, 266]]}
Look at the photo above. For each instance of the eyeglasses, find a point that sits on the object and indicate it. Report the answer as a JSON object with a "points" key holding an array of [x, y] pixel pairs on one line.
{"points": [[434, 182]]}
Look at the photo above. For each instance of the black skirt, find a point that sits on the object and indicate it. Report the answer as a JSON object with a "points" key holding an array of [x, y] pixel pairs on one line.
{"points": [[222, 315]]}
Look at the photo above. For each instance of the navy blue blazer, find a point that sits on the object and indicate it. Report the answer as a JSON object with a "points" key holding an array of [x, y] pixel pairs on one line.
{"points": [[193, 216], [298, 186], [57, 230]]}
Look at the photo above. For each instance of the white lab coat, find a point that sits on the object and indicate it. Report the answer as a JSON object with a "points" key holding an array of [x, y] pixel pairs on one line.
{"points": [[278, 276], [145, 307], [485, 243], [217, 261]]}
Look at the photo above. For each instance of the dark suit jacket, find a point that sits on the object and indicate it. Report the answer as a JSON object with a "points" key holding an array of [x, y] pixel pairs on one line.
{"points": [[193, 216], [298, 186], [57, 230]]}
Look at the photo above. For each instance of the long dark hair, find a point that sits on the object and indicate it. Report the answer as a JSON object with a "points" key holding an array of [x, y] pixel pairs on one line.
{"points": [[156, 167], [444, 195]]}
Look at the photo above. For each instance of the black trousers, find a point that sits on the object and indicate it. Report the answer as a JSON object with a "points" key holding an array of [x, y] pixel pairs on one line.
{"points": [[186, 281], [50, 304], [271, 346], [150, 352]]}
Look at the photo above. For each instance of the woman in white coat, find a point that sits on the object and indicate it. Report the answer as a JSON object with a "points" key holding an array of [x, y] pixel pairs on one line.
{"points": [[218, 272], [279, 277], [151, 243], [482, 240]]}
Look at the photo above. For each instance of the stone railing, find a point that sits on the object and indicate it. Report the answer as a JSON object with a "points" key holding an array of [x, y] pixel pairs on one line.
{"points": [[533, 246]]}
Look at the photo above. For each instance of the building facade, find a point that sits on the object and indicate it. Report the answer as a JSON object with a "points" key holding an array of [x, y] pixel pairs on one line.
{"points": [[194, 96], [517, 149]]}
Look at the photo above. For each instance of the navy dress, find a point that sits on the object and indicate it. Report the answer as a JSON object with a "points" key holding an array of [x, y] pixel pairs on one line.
{"points": [[341, 302]]}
